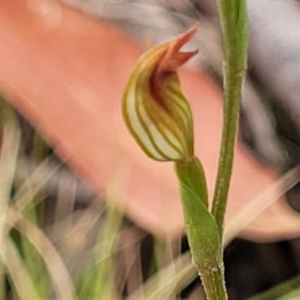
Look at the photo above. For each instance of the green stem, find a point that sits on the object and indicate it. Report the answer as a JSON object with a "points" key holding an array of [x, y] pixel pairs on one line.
{"points": [[214, 284], [201, 228], [231, 113], [233, 20]]}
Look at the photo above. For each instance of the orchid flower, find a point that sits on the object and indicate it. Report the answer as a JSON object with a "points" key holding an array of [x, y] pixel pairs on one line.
{"points": [[159, 118], [154, 107]]}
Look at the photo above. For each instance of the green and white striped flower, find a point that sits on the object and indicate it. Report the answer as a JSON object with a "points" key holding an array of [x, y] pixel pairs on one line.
{"points": [[154, 107]]}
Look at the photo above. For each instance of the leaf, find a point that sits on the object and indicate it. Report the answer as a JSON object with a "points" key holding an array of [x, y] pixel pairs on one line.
{"points": [[200, 225], [66, 71]]}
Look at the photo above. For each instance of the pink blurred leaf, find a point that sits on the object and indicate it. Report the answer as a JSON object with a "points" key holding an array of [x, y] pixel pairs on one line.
{"points": [[65, 72]]}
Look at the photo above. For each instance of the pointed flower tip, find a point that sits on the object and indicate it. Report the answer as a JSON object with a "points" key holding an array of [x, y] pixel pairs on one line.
{"points": [[174, 58], [183, 38], [154, 107]]}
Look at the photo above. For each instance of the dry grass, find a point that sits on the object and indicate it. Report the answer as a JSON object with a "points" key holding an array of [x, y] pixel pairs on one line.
{"points": [[90, 253]]}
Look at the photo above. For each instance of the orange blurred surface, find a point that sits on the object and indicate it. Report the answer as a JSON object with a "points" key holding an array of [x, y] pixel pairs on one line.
{"points": [[65, 72]]}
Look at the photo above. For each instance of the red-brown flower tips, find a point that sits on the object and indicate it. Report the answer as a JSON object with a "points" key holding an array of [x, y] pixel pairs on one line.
{"points": [[154, 107]]}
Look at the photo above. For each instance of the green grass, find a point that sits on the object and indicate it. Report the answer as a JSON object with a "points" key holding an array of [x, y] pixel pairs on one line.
{"points": [[79, 253], [75, 254]]}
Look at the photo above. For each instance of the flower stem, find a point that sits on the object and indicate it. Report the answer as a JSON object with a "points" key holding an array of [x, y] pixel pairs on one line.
{"points": [[201, 228], [233, 19], [213, 282]]}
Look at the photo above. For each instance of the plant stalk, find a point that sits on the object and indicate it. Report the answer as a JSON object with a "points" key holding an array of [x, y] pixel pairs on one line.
{"points": [[201, 228], [231, 115], [233, 19], [214, 284]]}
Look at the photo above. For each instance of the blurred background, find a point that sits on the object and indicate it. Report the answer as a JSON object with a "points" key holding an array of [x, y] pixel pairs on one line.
{"points": [[84, 215]]}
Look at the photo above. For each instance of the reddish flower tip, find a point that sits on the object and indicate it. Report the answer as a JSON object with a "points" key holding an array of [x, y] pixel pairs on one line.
{"points": [[174, 58]]}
